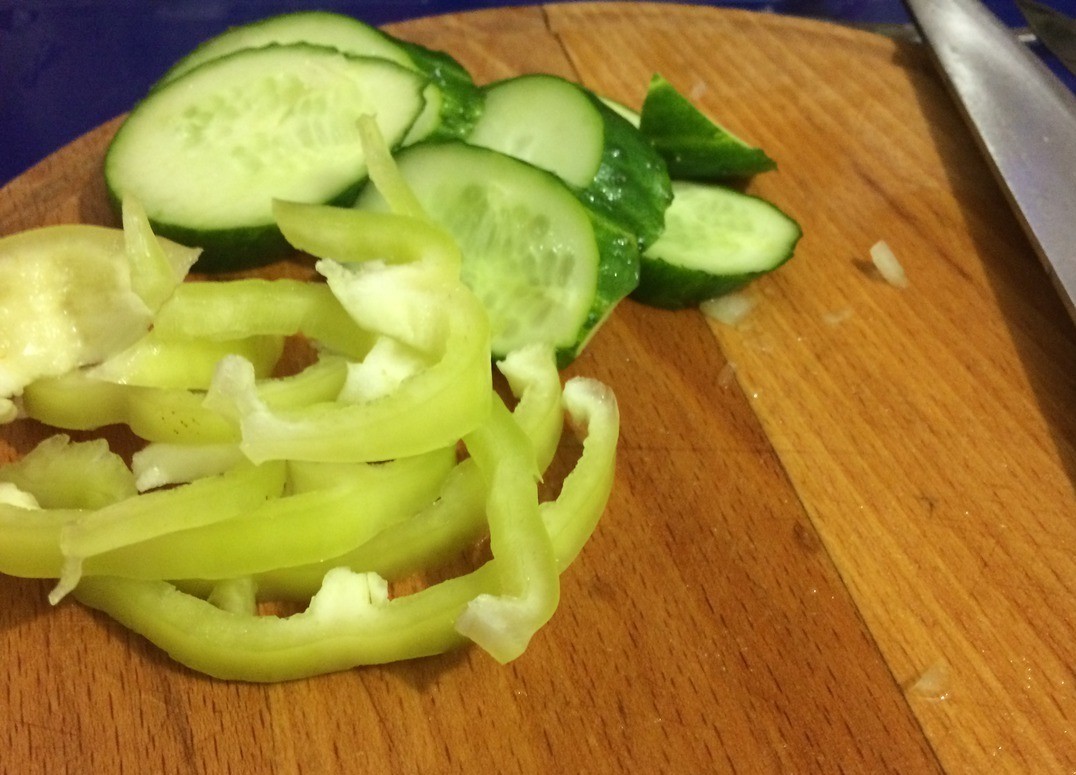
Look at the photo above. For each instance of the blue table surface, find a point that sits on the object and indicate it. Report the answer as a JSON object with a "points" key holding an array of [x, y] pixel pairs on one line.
{"points": [[68, 65]]}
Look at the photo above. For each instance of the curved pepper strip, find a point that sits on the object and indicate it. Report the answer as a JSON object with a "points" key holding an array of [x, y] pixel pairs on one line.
{"points": [[38, 543], [293, 529], [60, 473], [534, 380], [350, 621], [354, 236], [457, 518], [77, 402], [429, 410], [159, 464], [235, 309], [186, 364], [431, 536], [573, 516], [503, 623], [155, 272], [30, 540], [384, 173], [213, 500]]}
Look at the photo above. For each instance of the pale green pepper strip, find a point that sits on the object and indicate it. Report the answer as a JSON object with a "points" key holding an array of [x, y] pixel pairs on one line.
{"points": [[60, 473], [433, 535], [294, 529], [76, 402], [352, 236], [349, 622], [154, 273], [138, 519], [429, 410], [64, 480], [159, 464], [534, 379], [187, 364], [384, 173], [237, 596], [457, 518], [235, 309], [504, 623], [573, 516], [35, 542], [30, 540]]}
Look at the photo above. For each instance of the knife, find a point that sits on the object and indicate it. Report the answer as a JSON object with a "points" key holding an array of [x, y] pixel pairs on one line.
{"points": [[1024, 118]]}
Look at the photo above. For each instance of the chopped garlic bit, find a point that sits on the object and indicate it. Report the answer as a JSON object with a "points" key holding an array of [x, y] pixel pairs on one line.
{"points": [[885, 261], [727, 375], [836, 317], [933, 683], [729, 309]]}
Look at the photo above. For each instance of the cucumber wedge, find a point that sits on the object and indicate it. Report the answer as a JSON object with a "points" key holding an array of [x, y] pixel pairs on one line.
{"points": [[716, 240], [453, 102], [561, 127], [544, 266], [695, 147], [208, 152]]}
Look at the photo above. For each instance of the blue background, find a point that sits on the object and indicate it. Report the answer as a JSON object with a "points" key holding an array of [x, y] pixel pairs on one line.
{"points": [[68, 65]]}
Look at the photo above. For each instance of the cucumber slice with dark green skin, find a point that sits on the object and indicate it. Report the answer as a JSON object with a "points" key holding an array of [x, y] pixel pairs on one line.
{"points": [[563, 128], [695, 147], [317, 28], [461, 100], [622, 110], [544, 266], [453, 100], [207, 153], [716, 240]]}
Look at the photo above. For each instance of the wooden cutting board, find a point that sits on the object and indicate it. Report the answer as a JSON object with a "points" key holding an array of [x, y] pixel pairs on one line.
{"points": [[843, 531]]}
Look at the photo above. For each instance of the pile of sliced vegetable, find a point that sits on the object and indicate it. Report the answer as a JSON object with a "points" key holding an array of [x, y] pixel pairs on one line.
{"points": [[447, 223]]}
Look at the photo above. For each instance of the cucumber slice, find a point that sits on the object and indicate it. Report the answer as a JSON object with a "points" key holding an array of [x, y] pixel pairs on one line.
{"points": [[544, 120], [716, 240], [545, 268], [318, 28], [461, 100], [561, 127], [695, 147], [207, 153], [453, 102]]}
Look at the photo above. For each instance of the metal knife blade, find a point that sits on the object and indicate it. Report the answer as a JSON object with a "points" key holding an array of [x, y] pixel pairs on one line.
{"points": [[1024, 118]]}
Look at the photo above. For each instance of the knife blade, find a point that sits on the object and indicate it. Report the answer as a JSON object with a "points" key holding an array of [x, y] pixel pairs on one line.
{"points": [[1024, 118]]}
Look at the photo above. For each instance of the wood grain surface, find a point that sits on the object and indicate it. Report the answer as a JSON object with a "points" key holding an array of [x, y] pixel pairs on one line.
{"points": [[843, 531]]}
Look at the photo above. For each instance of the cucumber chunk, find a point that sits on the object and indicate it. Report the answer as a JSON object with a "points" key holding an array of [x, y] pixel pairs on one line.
{"points": [[545, 268], [208, 152], [453, 102], [695, 147], [544, 120], [561, 127], [716, 240]]}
